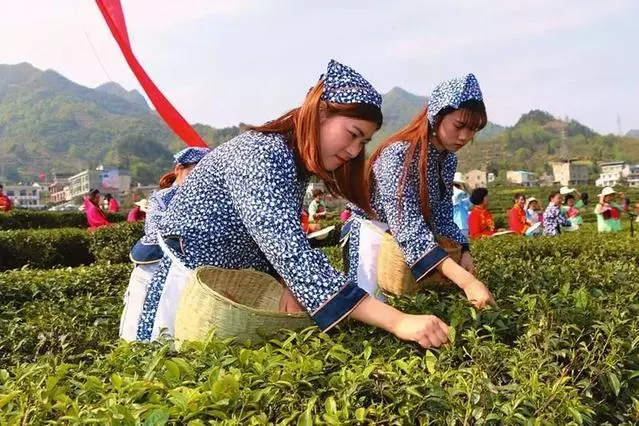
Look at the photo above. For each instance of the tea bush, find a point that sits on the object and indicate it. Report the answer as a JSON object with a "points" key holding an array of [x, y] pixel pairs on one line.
{"points": [[30, 219], [561, 348], [49, 248]]}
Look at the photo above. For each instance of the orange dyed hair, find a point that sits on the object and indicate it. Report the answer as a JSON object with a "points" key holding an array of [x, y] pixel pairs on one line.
{"points": [[301, 127], [417, 133], [169, 178]]}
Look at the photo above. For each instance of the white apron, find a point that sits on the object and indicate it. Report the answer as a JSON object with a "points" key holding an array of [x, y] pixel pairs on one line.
{"points": [[370, 241], [176, 280], [134, 300]]}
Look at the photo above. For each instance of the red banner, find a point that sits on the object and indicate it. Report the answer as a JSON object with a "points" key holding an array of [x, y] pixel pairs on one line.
{"points": [[112, 12]]}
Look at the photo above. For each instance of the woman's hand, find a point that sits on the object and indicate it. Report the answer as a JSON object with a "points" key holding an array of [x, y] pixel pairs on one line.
{"points": [[478, 294], [426, 330], [288, 302]]}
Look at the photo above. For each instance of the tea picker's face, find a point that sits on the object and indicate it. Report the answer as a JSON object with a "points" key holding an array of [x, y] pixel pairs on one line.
{"points": [[452, 133], [342, 139]]}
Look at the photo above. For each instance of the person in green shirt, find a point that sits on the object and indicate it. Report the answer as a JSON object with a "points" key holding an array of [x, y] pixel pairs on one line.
{"points": [[571, 211], [608, 212], [580, 199], [317, 207]]}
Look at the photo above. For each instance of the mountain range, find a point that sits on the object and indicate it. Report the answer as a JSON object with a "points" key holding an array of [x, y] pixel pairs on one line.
{"points": [[50, 124]]}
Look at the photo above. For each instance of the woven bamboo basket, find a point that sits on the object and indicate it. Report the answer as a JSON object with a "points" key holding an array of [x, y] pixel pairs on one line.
{"points": [[239, 303], [395, 277]]}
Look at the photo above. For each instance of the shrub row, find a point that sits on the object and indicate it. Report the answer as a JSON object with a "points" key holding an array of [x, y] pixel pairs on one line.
{"points": [[48, 248], [561, 348], [32, 219]]}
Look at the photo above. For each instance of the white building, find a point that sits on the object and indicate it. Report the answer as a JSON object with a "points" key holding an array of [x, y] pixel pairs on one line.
{"points": [[117, 182], [477, 179], [570, 172], [114, 181], [612, 172], [59, 189], [522, 177], [80, 184], [633, 178], [24, 196]]}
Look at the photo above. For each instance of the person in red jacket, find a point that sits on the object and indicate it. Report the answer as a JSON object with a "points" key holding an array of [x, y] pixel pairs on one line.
{"points": [[480, 221], [5, 201], [517, 221], [138, 212], [114, 206]]}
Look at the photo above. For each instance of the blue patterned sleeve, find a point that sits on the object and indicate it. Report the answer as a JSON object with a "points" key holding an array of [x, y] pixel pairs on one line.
{"points": [[158, 203], [415, 238], [263, 190], [445, 222], [153, 214]]}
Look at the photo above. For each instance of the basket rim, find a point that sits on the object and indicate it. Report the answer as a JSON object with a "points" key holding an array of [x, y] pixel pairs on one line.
{"points": [[224, 299]]}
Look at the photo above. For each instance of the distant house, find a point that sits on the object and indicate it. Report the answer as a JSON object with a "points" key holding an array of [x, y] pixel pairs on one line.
{"points": [[522, 177], [477, 178], [114, 181], [117, 182], [570, 172], [59, 189], [81, 183], [25, 196], [614, 172]]}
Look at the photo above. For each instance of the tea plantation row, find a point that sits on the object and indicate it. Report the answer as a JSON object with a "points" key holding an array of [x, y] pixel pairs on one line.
{"points": [[562, 348]]}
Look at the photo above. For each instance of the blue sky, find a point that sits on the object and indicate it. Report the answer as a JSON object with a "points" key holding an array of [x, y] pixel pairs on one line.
{"points": [[222, 62]]}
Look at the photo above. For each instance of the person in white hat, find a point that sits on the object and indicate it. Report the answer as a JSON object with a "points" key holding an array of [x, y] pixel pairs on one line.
{"points": [[580, 199], [608, 213], [138, 212], [461, 203]]}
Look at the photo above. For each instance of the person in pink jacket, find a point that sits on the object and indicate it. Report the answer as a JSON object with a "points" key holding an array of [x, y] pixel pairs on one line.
{"points": [[113, 206], [95, 216]]}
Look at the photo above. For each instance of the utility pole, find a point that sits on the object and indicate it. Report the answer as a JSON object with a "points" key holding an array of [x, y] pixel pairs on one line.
{"points": [[563, 150], [618, 125]]}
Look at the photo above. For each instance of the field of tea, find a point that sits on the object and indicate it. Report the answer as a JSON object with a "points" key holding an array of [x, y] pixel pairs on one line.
{"points": [[561, 348]]}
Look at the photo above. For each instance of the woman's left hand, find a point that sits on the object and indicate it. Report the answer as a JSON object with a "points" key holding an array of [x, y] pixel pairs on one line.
{"points": [[288, 302], [467, 262]]}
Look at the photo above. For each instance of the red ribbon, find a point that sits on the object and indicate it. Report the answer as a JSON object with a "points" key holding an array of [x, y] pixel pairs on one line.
{"points": [[114, 17]]}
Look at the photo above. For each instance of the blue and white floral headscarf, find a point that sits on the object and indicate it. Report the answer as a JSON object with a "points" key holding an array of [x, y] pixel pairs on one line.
{"points": [[344, 85], [190, 155], [453, 93]]}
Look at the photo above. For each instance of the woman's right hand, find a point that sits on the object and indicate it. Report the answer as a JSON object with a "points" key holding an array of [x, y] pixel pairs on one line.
{"points": [[427, 330], [478, 294]]}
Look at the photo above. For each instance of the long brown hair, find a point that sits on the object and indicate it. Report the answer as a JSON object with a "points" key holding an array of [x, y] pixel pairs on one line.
{"points": [[169, 178], [417, 133], [301, 128]]}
